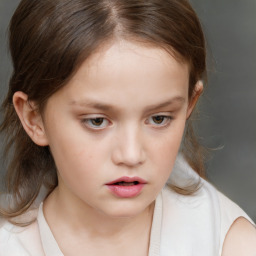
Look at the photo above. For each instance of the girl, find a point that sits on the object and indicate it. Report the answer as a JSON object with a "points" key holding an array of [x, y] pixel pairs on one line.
{"points": [[97, 121]]}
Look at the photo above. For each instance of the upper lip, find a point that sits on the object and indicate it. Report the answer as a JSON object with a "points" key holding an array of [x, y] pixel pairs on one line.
{"points": [[127, 179]]}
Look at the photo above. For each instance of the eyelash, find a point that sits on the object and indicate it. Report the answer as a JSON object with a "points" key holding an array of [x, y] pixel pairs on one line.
{"points": [[88, 122], [166, 120]]}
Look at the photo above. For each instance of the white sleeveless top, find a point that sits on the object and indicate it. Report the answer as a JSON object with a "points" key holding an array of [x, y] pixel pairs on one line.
{"points": [[182, 225]]}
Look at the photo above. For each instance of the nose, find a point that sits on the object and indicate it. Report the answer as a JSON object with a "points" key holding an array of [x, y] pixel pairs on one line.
{"points": [[129, 150]]}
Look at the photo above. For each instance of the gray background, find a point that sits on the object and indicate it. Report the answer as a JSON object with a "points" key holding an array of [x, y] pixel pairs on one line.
{"points": [[228, 107]]}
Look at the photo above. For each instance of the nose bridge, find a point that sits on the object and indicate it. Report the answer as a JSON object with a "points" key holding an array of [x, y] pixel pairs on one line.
{"points": [[129, 148]]}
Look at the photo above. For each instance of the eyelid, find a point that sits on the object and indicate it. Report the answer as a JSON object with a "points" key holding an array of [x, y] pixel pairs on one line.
{"points": [[167, 116], [87, 119]]}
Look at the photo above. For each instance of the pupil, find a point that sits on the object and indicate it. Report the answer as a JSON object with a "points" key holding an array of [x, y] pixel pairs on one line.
{"points": [[158, 119], [97, 121]]}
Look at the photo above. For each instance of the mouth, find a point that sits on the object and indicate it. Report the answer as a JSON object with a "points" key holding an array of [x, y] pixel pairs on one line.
{"points": [[123, 183], [127, 181], [126, 187]]}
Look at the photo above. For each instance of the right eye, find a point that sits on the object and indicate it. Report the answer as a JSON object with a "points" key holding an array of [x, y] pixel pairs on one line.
{"points": [[96, 123]]}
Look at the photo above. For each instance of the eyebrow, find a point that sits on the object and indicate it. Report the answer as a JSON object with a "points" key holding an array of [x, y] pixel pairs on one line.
{"points": [[169, 102], [109, 107]]}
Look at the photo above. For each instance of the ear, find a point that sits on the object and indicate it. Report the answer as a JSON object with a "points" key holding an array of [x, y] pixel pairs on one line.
{"points": [[30, 118], [194, 98]]}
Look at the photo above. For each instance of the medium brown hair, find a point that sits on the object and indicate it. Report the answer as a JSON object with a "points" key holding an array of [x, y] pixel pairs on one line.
{"points": [[49, 40]]}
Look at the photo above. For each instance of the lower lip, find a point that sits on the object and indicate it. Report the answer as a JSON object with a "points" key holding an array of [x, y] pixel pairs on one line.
{"points": [[126, 191]]}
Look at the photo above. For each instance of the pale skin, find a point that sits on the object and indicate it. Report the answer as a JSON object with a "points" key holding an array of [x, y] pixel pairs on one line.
{"points": [[122, 114]]}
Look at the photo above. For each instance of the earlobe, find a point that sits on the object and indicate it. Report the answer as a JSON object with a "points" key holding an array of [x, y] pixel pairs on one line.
{"points": [[30, 118], [194, 98]]}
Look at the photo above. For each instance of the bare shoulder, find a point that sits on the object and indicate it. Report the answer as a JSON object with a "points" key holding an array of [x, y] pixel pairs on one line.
{"points": [[241, 239]]}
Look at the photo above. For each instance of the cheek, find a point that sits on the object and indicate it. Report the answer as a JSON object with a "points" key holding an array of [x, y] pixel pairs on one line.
{"points": [[168, 143], [166, 149], [78, 167], [77, 155]]}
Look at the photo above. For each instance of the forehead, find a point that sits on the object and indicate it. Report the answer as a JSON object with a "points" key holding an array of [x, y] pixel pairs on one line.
{"points": [[126, 55], [124, 70]]}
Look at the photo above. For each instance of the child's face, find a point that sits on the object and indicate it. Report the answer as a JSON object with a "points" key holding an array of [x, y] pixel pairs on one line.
{"points": [[122, 115]]}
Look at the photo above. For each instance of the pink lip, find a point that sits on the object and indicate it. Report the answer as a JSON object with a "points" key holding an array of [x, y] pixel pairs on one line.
{"points": [[126, 191]]}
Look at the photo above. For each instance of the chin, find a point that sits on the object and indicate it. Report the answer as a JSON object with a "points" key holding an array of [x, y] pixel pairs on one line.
{"points": [[127, 210]]}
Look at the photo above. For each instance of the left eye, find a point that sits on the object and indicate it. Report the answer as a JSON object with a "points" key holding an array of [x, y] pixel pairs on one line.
{"points": [[96, 123], [159, 120]]}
